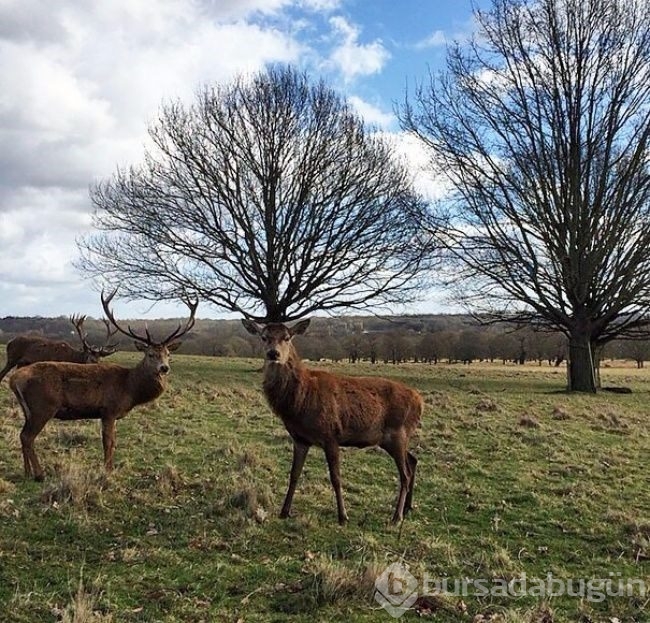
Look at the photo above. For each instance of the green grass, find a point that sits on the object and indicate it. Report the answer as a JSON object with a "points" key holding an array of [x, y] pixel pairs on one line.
{"points": [[515, 476]]}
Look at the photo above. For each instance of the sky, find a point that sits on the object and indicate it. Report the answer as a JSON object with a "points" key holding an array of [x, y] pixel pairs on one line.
{"points": [[80, 80]]}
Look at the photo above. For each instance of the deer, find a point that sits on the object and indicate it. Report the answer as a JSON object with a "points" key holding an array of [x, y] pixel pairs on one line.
{"points": [[103, 391], [23, 350], [320, 408]]}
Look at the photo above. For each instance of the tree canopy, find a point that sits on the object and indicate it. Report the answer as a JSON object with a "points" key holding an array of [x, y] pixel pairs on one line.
{"points": [[268, 197]]}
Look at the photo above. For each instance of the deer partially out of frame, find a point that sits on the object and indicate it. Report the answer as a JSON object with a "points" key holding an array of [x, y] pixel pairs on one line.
{"points": [[328, 410], [24, 350], [104, 391]]}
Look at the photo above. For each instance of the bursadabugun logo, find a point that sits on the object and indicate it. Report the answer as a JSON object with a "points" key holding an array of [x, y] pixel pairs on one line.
{"points": [[395, 589]]}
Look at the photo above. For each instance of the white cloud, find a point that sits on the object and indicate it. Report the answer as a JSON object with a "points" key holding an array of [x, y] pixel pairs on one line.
{"points": [[322, 5], [353, 58], [35, 254], [435, 40], [371, 114], [61, 98], [427, 181]]}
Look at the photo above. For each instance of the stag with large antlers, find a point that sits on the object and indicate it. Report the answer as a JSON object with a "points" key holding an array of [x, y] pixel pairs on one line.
{"points": [[24, 350], [107, 392], [330, 410]]}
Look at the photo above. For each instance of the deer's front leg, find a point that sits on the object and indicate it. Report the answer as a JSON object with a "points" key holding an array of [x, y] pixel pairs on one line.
{"points": [[108, 441], [299, 455]]}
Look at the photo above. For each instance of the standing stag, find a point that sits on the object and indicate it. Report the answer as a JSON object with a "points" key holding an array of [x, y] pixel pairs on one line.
{"points": [[104, 391], [328, 410], [24, 350]]}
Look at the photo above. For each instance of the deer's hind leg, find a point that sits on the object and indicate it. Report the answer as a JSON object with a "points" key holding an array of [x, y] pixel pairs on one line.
{"points": [[34, 423], [412, 464], [27, 436], [395, 445]]}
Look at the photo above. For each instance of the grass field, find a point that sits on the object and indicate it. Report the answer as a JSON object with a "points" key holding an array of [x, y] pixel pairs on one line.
{"points": [[515, 477]]}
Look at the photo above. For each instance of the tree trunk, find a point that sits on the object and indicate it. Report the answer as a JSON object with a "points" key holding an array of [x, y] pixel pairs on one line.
{"points": [[582, 374]]}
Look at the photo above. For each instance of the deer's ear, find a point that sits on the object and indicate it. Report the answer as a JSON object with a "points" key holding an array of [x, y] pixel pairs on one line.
{"points": [[140, 346], [173, 346], [300, 327], [251, 327]]}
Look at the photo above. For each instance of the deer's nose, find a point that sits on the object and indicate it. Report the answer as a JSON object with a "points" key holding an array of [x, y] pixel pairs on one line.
{"points": [[273, 354], [164, 368]]}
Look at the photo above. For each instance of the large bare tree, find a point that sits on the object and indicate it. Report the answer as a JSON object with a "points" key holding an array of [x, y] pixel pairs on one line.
{"points": [[541, 126], [268, 197]]}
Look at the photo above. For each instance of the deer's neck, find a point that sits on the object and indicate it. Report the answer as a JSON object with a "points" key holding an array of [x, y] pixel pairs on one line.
{"points": [[284, 384], [144, 385]]}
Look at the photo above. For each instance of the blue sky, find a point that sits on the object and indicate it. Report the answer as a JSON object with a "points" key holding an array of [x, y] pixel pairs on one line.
{"points": [[413, 35], [82, 78]]}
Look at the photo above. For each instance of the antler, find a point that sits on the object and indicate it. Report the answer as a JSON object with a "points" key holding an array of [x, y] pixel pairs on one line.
{"points": [[77, 321], [106, 301], [177, 333], [108, 348], [180, 332]]}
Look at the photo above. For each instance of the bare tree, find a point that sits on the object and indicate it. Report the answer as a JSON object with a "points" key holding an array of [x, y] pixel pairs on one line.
{"points": [[637, 350], [268, 197], [541, 125]]}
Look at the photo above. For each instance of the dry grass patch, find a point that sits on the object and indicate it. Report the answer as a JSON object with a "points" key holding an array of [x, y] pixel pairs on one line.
{"points": [[529, 421], [72, 436], [333, 581], [170, 481], [637, 530], [84, 608], [245, 497], [560, 413], [74, 484], [611, 421], [438, 399], [252, 501], [539, 614], [487, 405], [495, 561], [6, 487]]}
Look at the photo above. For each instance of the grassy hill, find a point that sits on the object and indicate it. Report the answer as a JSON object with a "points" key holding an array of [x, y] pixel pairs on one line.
{"points": [[515, 478]]}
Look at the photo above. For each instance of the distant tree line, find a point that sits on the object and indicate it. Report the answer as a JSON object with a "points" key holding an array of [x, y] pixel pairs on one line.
{"points": [[427, 339]]}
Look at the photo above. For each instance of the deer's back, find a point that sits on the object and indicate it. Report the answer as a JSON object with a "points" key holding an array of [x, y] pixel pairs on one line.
{"points": [[26, 349], [374, 401], [356, 411], [72, 386]]}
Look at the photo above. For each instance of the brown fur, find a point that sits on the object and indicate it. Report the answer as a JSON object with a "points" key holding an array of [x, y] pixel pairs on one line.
{"points": [[107, 392], [24, 350], [329, 410]]}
